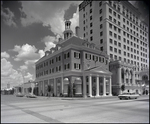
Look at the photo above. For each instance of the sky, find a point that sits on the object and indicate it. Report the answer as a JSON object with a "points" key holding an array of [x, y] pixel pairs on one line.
{"points": [[29, 28]]}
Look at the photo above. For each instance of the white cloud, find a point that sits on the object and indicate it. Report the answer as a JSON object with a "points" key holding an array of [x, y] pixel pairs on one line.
{"points": [[48, 12], [75, 20], [26, 52], [8, 16], [28, 77], [4, 55], [42, 53], [23, 67], [6, 67], [12, 76]]}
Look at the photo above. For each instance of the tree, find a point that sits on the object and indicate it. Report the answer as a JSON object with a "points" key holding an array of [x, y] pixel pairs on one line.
{"points": [[49, 89], [122, 87]]}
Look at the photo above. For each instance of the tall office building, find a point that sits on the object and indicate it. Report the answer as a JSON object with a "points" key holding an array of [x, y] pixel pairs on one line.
{"points": [[115, 27]]}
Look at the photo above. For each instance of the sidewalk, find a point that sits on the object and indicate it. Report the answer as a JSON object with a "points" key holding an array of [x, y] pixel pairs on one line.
{"points": [[76, 98]]}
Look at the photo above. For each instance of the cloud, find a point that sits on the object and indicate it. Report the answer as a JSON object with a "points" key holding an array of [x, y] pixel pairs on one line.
{"points": [[8, 16], [42, 53], [50, 13], [12, 76], [28, 77], [25, 52], [6, 67], [4, 55], [23, 67]]}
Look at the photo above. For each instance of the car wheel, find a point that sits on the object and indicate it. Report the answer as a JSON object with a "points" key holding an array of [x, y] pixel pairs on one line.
{"points": [[120, 98]]}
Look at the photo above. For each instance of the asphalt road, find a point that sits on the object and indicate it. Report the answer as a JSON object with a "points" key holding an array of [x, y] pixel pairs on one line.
{"points": [[53, 110]]}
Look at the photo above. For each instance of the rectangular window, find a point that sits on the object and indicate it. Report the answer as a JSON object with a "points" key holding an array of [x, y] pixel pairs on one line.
{"points": [[110, 18], [91, 38], [110, 33], [118, 16], [100, 11], [100, 3], [76, 55], [115, 49], [90, 17], [110, 41], [76, 66], [100, 18], [91, 24], [110, 10], [91, 31], [111, 49], [101, 26], [110, 25], [90, 10], [114, 13], [115, 42], [101, 33]]}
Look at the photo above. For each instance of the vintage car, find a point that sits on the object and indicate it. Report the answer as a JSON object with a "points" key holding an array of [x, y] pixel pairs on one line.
{"points": [[128, 96], [19, 95], [31, 95]]}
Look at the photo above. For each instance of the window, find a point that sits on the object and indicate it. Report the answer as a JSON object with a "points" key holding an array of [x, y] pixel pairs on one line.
{"points": [[115, 49], [110, 33], [100, 19], [111, 49], [90, 17], [91, 24], [101, 33], [119, 44], [124, 20], [100, 3], [91, 31], [76, 66], [100, 11], [101, 48], [115, 42], [90, 10], [128, 54], [110, 25], [124, 46], [76, 55], [119, 37], [111, 56], [110, 41], [124, 53], [118, 16], [115, 57], [119, 51], [114, 13], [110, 10], [88, 56], [110, 18], [115, 28], [114, 20], [115, 35], [118, 23], [119, 30], [101, 26], [91, 38], [120, 58], [68, 55], [101, 41]]}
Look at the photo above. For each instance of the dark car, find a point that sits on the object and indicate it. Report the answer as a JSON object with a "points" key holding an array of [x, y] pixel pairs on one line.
{"points": [[128, 96]]}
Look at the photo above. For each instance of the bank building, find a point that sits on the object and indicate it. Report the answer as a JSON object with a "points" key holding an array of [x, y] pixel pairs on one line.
{"points": [[74, 62]]}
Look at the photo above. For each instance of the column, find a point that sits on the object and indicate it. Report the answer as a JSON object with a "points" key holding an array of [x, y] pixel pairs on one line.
{"points": [[43, 88], [97, 86], [104, 86], [110, 87], [90, 85], [84, 86], [133, 78], [55, 87], [62, 85], [119, 78]]}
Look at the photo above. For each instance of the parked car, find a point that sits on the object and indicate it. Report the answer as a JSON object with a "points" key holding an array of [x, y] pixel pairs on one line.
{"points": [[19, 95], [31, 95], [128, 96]]}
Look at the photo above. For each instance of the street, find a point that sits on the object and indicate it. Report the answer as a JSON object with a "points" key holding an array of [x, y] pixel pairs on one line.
{"points": [[54, 110]]}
